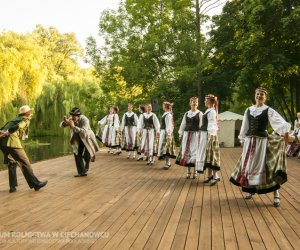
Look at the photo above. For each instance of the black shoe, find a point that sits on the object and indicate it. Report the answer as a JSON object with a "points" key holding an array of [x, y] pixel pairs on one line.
{"points": [[11, 190], [248, 196], [276, 201], [214, 181], [166, 166], [80, 175], [208, 179], [40, 185], [188, 176]]}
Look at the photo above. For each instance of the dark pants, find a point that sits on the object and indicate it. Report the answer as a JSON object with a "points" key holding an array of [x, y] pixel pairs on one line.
{"points": [[12, 156], [83, 154], [12, 174]]}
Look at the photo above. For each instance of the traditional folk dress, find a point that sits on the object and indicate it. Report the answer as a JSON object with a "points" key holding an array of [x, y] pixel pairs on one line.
{"points": [[139, 137], [148, 124], [293, 147], [208, 152], [296, 132], [111, 136], [262, 166], [189, 132], [129, 126], [166, 145]]}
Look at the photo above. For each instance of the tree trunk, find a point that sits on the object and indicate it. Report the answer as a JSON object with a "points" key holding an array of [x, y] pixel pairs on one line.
{"points": [[292, 96], [198, 37], [297, 93], [286, 107], [282, 109]]}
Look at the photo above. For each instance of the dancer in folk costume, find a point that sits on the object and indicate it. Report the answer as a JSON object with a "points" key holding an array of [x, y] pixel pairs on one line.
{"points": [[149, 127], [208, 152], [111, 136], [293, 147], [296, 132], [129, 128], [189, 136], [166, 145], [142, 110], [262, 166], [107, 121]]}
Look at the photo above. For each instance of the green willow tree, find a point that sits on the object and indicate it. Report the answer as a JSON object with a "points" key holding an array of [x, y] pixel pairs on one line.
{"points": [[21, 71], [41, 69]]}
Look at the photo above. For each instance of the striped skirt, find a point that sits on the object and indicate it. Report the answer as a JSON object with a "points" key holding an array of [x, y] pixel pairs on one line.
{"points": [[208, 153], [188, 150], [129, 138], [166, 146], [149, 142], [262, 167], [118, 138]]}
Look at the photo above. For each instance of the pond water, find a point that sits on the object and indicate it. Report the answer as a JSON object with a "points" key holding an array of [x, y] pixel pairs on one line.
{"points": [[47, 147]]}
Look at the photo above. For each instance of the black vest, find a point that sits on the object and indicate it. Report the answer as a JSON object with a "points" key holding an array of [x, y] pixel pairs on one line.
{"points": [[129, 121], [258, 125], [192, 123], [163, 121], [204, 122], [148, 122]]}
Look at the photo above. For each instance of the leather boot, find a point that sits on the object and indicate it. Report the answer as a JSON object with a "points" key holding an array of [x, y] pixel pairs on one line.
{"points": [[12, 176]]}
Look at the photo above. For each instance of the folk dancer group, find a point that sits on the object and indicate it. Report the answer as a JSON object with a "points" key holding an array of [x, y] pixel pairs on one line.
{"points": [[260, 169], [199, 142]]}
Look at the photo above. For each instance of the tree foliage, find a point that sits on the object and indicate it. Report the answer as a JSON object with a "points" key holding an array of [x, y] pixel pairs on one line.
{"points": [[151, 46], [41, 69], [258, 43]]}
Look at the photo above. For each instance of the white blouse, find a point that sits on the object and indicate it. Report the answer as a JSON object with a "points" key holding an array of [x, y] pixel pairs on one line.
{"points": [[110, 120], [129, 115], [169, 123], [147, 116], [212, 126], [189, 114], [278, 124]]}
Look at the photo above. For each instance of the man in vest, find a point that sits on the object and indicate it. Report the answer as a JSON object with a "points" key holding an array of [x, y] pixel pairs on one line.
{"points": [[14, 153]]}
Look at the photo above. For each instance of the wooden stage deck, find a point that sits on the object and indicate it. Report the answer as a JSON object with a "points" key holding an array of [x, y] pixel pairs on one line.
{"points": [[125, 204]]}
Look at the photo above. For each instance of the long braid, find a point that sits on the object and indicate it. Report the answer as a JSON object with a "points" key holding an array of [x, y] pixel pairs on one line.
{"points": [[169, 106], [217, 110], [214, 101], [172, 113]]}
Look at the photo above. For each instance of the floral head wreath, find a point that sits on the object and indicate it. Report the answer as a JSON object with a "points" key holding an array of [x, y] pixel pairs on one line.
{"points": [[211, 97], [193, 98], [262, 89]]}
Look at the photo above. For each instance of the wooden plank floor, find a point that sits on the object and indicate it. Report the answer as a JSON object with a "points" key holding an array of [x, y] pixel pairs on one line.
{"points": [[125, 204]]}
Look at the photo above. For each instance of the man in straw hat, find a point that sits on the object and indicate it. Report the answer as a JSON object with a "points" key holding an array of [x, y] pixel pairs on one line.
{"points": [[83, 140], [14, 153]]}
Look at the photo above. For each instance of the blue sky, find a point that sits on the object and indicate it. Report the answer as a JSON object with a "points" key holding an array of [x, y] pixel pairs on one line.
{"points": [[78, 16]]}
